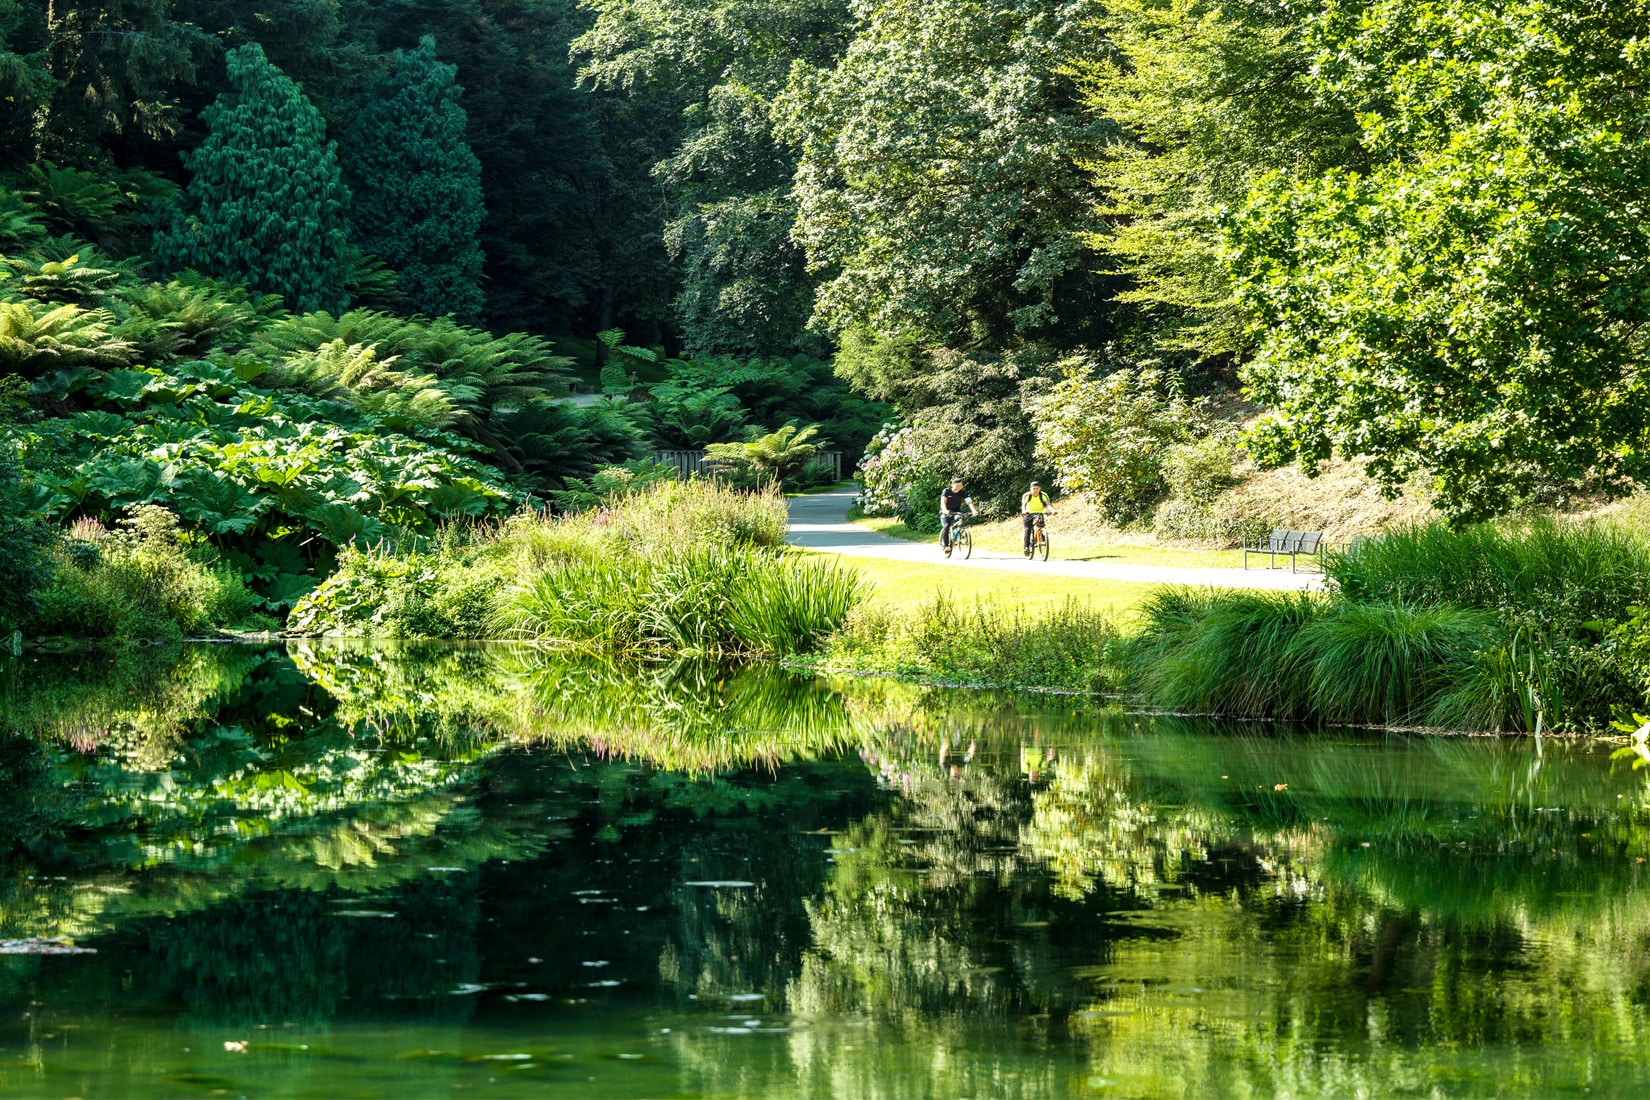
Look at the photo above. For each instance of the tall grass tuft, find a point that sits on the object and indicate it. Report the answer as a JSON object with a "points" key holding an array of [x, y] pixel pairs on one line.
{"points": [[1296, 656], [1580, 570], [696, 599]]}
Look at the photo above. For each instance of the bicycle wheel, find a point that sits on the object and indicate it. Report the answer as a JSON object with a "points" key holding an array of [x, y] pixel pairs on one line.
{"points": [[1042, 542], [967, 543]]}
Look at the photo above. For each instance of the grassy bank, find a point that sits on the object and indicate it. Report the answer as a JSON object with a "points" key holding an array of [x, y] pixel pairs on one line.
{"points": [[1511, 627], [674, 568]]}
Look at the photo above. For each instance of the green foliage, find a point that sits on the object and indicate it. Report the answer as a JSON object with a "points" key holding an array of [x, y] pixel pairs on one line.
{"points": [[265, 204], [1197, 472], [243, 462], [58, 281], [898, 477], [1257, 655], [939, 187], [138, 582], [689, 599], [610, 484], [381, 594], [475, 369], [1566, 572], [417, 185], [669, 567], [1209, 99], [777, 457], [36, 338], [1070, 648], [24, 567], [354, 375], [1468, 309], [972, 424], [1109, 437], [743, 290]]}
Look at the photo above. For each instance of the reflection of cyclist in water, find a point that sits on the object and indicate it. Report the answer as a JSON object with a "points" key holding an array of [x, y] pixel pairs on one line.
{"points": [[952, 501], [1033, 506]]}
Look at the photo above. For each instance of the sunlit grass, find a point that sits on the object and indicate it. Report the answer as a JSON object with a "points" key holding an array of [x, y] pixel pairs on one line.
{"points": [[911, 586], [1007, 537]]}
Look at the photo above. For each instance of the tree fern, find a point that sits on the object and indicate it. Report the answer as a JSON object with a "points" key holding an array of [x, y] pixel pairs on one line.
{"points": [[35, 338], [65, 281], [355, 375]]}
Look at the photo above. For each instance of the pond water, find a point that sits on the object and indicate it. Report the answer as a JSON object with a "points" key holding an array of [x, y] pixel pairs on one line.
{"points": [[334, 870]]}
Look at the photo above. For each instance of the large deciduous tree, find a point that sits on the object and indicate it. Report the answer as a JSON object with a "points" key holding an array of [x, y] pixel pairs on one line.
{"points": [[1209, 97], [941, 185], [266, 203], [1474, 308], [417, 185], [718, 66]]}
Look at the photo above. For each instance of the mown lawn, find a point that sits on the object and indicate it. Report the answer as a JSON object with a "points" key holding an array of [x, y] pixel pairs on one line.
{"points": [[903, 585], [1006, 536]]}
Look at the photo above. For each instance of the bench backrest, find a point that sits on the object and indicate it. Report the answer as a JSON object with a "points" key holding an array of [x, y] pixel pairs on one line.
{"points": [[1283, 541]]}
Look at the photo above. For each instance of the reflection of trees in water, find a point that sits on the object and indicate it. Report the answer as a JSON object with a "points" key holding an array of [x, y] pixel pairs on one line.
{"points": [[311, 958], [1234, 914]]}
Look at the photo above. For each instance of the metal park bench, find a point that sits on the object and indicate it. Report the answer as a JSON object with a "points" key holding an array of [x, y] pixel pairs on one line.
{"points": [[1293, 543]]}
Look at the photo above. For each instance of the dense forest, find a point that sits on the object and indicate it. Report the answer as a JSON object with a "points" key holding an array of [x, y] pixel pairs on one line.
{"points": [[314, 273]]}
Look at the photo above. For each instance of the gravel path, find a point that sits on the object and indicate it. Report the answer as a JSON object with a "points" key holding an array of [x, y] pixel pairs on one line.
{"points": [[820, 522]]}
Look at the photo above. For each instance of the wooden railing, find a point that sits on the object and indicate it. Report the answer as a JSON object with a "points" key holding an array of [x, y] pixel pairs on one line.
{"points": [[700, 464]]}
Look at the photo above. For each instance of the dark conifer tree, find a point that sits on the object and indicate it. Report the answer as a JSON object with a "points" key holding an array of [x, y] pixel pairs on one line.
{"points": [[266, 203], [417, 185]]}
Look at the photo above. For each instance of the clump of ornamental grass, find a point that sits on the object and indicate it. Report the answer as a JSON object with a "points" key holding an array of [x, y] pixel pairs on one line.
{"points": [[1583, 571], [704, 599], [675, 567], [1299, 656], [1072, 647]]}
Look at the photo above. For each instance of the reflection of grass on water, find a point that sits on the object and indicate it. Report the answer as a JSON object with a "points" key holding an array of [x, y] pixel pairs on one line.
{"points": [[683, 716]]}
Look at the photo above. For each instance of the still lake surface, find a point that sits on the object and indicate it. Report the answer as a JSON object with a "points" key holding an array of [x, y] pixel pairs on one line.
{"points": [[326, 870]]}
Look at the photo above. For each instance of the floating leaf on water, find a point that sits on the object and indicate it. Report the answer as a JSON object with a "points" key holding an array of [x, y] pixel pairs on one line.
{"points": [[362, 913], [722, 883], [608, 984], [596, 962]]}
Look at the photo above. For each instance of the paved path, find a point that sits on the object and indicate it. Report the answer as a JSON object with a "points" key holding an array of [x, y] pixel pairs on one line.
{"points": [[819, 522]]}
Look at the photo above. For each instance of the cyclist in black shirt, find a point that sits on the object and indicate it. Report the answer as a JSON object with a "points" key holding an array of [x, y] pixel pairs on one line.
{"points": [[951, 510]]}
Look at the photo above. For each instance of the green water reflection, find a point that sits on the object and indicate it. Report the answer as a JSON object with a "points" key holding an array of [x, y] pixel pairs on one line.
{"points": [[352, 870]]}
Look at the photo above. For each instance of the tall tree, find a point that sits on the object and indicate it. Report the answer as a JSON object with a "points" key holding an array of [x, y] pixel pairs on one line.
{"points": [[719, 66], [573, 236], [1210, 98], [1475, 309], [266, 203], [941, 184], [96, 70], [417, 185]]}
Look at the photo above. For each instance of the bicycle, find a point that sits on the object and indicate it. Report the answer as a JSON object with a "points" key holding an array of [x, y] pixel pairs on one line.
{"points": [[960, 538], [1039, 539]]}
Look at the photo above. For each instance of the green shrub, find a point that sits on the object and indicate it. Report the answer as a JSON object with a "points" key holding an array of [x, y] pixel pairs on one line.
{"points": [[1072, 647], [1108, 437], [384, 593], [1198, 472], [143, 581], [673, 567], [1217, 522]]}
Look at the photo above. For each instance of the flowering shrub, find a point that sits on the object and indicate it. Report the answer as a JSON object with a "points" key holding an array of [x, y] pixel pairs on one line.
{"points": [[897, 479], [1108, 437]]}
